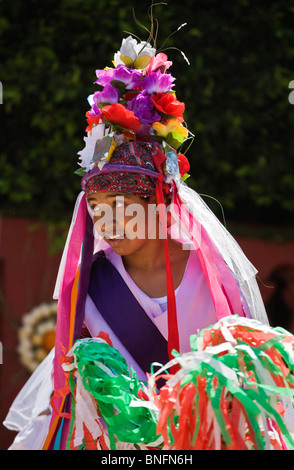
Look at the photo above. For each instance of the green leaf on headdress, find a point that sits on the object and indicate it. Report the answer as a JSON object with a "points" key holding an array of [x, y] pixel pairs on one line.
{"points": [[185, 177], [156, 138], [102, 104], [121, 86], [175, 139], [80, 172]]}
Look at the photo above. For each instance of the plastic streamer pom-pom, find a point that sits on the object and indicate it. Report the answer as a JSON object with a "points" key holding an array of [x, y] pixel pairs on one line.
{"points": [[102, 386], [233, 391]]}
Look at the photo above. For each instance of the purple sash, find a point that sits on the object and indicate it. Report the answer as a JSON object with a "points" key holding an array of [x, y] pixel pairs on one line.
{"points": [[124, 314]]}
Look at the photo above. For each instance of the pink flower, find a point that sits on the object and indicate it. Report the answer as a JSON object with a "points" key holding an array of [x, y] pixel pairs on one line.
{"points": [[159, 61]]}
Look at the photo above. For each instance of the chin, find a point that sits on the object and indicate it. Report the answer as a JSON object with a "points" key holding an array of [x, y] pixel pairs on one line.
{"points": [[125, 246]]}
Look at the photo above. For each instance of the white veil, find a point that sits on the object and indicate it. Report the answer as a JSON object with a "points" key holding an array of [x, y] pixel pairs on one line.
{"points": [[241, 268]]}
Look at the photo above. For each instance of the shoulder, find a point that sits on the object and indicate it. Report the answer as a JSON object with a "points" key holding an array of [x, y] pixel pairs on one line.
{"points": [[105, 255]]}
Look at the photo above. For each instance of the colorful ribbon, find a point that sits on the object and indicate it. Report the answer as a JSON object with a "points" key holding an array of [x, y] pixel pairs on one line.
{"points": [[232, 391]]}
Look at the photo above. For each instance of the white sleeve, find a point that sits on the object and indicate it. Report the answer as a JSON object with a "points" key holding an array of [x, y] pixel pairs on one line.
{"points": [[30, 413]]}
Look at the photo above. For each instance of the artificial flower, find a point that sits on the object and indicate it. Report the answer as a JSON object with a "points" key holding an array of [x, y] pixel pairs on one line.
{"points": [[121, 74], [109, 95], [92, 121], [86, 155], [94, 111], [167, 103], [117, 114], [160, 61], [184, 165], [172, 125], [172, 131], [104, 76], [143, 108], [129, 96], [37, 335], [133, 54], [157, 82]]}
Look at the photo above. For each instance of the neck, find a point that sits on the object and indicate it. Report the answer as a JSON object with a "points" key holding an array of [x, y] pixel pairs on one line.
{"points": [[149, 257]]}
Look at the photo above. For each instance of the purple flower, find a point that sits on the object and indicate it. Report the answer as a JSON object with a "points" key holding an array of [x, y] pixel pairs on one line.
{"points": [[129, 77], [109, 95], [143, 109], [94, 111], [157, 82], [104, 76]]}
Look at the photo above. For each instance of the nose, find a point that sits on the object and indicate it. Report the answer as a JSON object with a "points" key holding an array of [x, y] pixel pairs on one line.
{"points": [[108, 228]]}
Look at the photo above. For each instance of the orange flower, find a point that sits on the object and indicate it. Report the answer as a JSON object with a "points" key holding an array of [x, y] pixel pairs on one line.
{"points": [[167, 103], [92, 121], [117, 114]]}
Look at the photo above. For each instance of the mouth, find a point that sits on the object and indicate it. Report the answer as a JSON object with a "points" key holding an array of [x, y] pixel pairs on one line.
{"points": [[114, 240]]}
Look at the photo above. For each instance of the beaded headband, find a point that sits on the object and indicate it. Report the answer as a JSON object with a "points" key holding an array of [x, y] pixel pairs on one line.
{"points": [[131, 170]]}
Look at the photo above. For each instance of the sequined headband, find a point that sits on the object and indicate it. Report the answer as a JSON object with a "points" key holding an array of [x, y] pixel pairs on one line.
{"points": [[132, 169]]}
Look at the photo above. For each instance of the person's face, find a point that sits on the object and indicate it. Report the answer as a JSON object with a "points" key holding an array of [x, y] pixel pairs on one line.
{"points": [[126, 222]]}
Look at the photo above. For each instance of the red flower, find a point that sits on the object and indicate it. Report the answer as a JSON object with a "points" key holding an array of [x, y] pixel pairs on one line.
{"points": [[130, 95], [117, 114], [92, 121], [167, 103], [184, 165]]}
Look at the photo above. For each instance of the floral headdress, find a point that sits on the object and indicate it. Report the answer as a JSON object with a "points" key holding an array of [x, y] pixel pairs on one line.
{"points": [[137, 102]]}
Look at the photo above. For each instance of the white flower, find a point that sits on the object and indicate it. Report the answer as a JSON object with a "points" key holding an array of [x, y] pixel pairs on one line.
{"points": [[133, 54], [37, 335], [87, 154]]}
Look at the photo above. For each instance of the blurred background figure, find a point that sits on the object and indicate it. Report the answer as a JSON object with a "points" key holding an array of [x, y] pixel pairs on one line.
{"points": [[280, 306]]}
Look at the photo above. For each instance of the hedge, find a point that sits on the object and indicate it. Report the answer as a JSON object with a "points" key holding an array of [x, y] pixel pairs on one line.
{"points": [[236, 91]]}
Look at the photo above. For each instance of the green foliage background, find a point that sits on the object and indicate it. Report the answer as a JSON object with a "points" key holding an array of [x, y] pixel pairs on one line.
{"points": [[236, 93]]}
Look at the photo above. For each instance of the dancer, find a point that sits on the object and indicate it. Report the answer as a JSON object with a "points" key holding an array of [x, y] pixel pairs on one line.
{"points": [[146, 263]]}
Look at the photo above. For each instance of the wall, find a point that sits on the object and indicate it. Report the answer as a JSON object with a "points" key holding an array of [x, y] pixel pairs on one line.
{"points": [[267, 255], [27, 278]]}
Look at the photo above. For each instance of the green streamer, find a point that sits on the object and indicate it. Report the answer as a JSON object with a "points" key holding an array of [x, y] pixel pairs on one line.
{"points": [[106, 377]]}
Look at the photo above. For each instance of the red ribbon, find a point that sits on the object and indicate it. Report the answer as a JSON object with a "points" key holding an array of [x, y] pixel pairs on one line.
{"points": [[173, 333]]}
